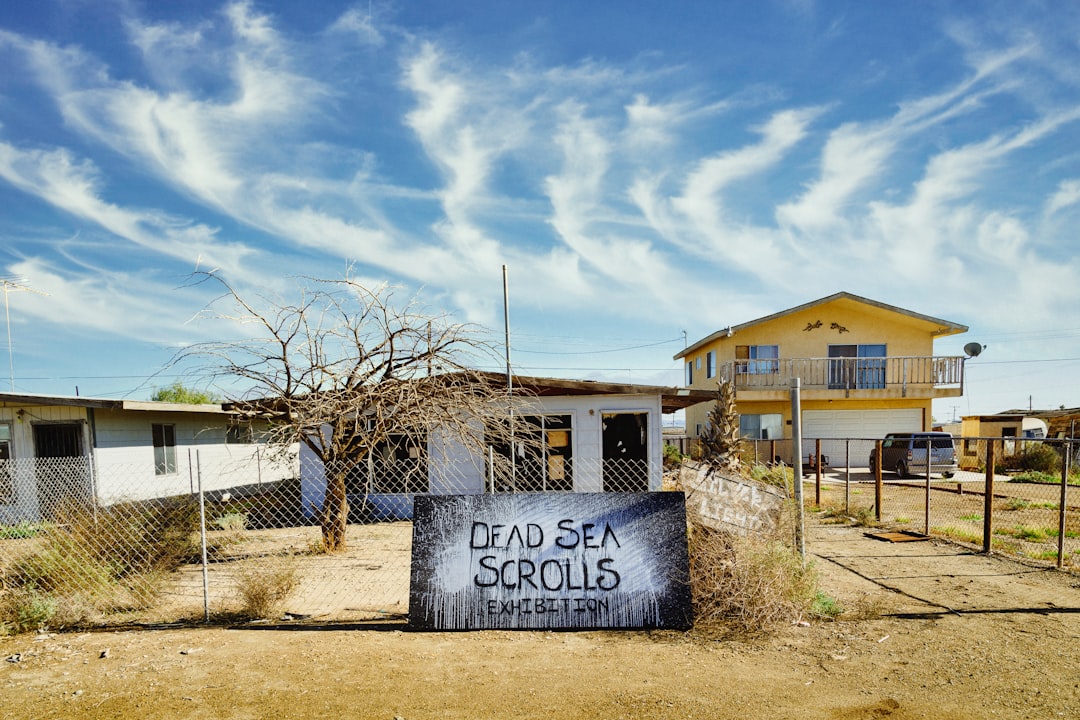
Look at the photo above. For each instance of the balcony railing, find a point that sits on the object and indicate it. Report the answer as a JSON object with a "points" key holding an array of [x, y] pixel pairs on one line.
{"points": [[852, 373]]}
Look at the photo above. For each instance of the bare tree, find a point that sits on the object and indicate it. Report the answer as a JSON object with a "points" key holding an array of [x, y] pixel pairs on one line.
{"points": [[342, 371], [721, 440]]}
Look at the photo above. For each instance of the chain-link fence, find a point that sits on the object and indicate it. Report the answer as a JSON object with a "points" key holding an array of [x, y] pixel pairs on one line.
{"points": [[81, 545], [1011, 495], [88, 545]]}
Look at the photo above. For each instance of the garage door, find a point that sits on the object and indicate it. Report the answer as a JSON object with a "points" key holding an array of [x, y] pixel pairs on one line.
{"points": [[862, 424]]}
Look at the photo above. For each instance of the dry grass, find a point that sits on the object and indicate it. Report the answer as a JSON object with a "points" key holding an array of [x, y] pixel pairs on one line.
{"points": [[263, 590], [93, 563], [749, 584]]}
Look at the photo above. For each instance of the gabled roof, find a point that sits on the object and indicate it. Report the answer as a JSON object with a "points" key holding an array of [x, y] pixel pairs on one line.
{"points": [[938, 327], [8, 399]]}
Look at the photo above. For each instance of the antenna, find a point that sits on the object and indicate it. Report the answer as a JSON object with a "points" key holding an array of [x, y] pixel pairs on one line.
{"points": [[13, 283], [972, 349]]}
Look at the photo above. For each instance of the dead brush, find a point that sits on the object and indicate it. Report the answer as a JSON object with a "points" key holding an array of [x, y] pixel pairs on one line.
{"points": [[264, 589], [747, 584]]}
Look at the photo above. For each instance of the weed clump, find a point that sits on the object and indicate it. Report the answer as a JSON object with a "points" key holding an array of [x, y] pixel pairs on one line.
{"points": [[91, 561], [263, 590], [750, 583], [1039, 457]]}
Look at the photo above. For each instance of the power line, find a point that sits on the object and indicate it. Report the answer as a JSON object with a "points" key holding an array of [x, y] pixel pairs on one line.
{"points": [[595, 352]]}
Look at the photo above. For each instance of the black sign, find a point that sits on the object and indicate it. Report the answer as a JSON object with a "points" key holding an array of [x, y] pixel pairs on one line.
{"points": [[545, 561]]}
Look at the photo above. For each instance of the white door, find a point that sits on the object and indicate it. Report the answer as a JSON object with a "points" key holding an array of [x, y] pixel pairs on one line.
{"points": [[862, 425]]}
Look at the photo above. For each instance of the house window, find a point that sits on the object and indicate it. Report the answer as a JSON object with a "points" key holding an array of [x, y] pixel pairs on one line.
{"points": [[689, 373], [710, 364], [164, 449], [767, 426], [856, 367], [239, 434], [757, 359], [399, 465], [1009, 446], [7, 486], [542, 459], [624, 439]]}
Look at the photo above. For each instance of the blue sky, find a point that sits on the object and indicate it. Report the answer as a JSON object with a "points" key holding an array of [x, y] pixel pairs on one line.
{"points": [[642, 169]]}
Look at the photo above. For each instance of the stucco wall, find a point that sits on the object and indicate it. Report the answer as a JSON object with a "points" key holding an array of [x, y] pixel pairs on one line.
{"points": [[454, 470]]}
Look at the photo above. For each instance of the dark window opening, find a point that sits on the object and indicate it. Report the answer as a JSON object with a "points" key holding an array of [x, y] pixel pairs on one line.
{"points": [[239, 434], [164, 448], [626, 452], [7, 485]]}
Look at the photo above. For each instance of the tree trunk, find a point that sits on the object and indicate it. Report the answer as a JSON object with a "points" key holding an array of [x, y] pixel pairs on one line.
{"points": [[335, 511]]}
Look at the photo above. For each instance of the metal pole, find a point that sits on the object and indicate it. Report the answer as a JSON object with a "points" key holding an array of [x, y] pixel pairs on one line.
{"points": [[817, 472], [1062, 506], [988, 497], [847, 476], [202, 538], [877, 481], [926, 515], [796, 452], [14, 283], [509, 378], [506, 330], [11, 354]]}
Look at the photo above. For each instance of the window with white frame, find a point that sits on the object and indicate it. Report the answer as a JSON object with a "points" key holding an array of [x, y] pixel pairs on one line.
{"points": [[689, 373], [542, 457], [710, 364], [164, 448], [765, 426], [757, 359]]}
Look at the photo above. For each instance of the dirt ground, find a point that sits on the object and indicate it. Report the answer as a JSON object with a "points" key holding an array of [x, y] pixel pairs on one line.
{"points": [[955, 635]]}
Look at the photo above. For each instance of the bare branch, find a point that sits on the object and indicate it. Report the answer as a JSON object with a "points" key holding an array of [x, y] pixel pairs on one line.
{"points": [[343, 371]]}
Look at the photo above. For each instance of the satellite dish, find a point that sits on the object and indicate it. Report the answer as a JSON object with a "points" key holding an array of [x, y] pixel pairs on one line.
{"points": [[973, 349]]}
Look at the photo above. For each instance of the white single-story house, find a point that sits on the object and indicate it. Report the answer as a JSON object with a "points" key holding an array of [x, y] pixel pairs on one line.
{"points": [[58, 449], [588, 437]]}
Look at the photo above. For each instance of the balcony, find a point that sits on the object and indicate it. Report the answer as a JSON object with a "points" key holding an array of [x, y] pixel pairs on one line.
{"points": [[851, 377]]}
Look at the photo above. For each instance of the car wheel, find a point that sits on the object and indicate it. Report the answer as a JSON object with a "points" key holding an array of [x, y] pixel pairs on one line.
{"points": [[872, 464], [901, 469]]}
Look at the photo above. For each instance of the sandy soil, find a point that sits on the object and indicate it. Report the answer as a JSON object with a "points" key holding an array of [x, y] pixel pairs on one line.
{"points": [[958, 635]]}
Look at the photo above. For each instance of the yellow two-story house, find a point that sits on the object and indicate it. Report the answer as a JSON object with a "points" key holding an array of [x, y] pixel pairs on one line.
{"points": [[865, 369]]}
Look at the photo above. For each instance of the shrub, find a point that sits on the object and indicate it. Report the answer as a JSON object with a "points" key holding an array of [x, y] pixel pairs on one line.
{"points": [[114, 558], [672, 456], [778, 475], [25, 609], [748, 583], [1040, 457], [22, 530], [264, 589]]}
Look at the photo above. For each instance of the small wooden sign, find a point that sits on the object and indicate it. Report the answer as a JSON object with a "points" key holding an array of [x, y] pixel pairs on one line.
{"points": [[549, 561]]}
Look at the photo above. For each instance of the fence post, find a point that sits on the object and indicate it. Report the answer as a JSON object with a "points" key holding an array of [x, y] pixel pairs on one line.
{"points": [[877, 481], [926, 510], [988, 497], [202, 537], [817, 473], [796, 462], [1062, 506], [847, 476]]}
